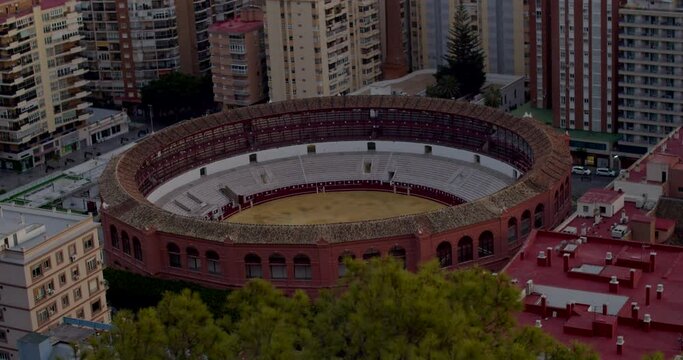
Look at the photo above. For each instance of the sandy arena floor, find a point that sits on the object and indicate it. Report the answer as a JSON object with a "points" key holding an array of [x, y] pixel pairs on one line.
{"points": [[334, 207]]}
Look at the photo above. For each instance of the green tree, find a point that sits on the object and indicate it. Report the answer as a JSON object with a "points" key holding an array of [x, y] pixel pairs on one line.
{"points": [[492, 97], [287, 333], [464, 61], [379, 311], [132, 338], [177, 95]]}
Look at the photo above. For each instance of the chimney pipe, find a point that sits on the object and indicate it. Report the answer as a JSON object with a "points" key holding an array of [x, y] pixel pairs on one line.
{"points": [[648, 288], [539, 324], [604, 309], [660, 290], [614, 285], [620, 345], [541, 259], [647, 322], [565, 262], [653, 256], [569, 310], [548, 253], [608, 258], [529, 289], [544, 305], [521, 255], [632, 277], [634, 311]]}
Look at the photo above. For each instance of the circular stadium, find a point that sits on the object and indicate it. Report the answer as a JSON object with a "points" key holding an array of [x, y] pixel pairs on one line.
{"points": [[286, 191]]}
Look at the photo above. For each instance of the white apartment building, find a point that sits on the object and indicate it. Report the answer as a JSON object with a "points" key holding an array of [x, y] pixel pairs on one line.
{"points": [[42, 95], [650, 71], [321, 47], [50, 267]]}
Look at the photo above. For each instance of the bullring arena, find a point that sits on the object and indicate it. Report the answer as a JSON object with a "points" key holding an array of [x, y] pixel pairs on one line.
{"points": [[286, 191]]}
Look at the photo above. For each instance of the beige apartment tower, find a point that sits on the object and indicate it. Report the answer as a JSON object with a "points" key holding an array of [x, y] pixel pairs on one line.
{"points": [[321, 47], [50, 267], [42, 95]]}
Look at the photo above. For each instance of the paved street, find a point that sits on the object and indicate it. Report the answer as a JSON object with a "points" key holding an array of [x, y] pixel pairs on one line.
{"points": [[11, 179], [580, 184]]}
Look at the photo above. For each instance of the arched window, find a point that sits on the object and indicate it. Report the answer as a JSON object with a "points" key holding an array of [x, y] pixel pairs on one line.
{"points": [[302, 267], [125, 242], [252, 263], [538, 216], [526, 223], [445, 254], [512, 230], [562, 194], [465, 252], [371, 253], [278, 266], [137, 249], [341, 268], [399, 253], [557, 203], [486, 244], [213, 262], [173, 255], [114, 236], [193, 261]]}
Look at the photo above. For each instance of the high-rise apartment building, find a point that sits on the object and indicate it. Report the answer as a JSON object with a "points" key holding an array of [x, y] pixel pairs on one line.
{"points": [[238, 59], [42, 89], [650, 71], [321, 47], [502, 35], [573, 66], [499, 23], [132, 42], [50, 267]]}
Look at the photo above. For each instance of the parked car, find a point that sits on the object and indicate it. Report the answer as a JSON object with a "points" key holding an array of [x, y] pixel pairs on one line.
{"points": [[605, 172], [581, 170]]}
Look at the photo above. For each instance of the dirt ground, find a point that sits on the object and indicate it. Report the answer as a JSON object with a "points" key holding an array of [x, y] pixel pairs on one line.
{"points": [[334, 207]]}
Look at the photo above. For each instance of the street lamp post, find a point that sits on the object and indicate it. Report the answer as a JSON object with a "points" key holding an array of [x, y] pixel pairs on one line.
{"points": [[151, 118]]}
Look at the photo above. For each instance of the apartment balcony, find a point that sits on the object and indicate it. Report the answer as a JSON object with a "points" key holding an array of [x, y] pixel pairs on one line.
{"points": [[83, 105]]}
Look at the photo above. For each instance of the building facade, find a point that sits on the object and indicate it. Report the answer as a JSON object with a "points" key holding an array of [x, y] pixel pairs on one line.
{"points": [[499, 23], [573, 62], [50, 267], [650, 71], [321, 48], [131, 43], [42, 94], [238, 60]]}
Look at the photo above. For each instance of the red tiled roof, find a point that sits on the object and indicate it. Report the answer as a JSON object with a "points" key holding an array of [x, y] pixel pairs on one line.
{"points": [[667, 313], [602, 196]]}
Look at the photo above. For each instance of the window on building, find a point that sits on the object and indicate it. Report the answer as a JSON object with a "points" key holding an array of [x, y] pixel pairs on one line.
{"points": [[125, 242], [538, 216], [88, 242], [252, 264], [137, 249], [193, 261], [486, 244], [59, 257], [302, 267], [371, 253], [278, 266], [444, 252], [96, 306], [65, 301], [91, 265], [465, 252], [213, 262], [77, 294], [512, 230], [173, 255]]}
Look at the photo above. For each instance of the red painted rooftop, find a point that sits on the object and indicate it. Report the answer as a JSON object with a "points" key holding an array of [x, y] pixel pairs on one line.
{"points": [[236, 26], [669, 151], [667, 313], [602, 196]]}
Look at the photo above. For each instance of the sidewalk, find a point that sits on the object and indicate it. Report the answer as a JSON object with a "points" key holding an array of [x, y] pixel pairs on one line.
{"points": [[11, 179]]}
